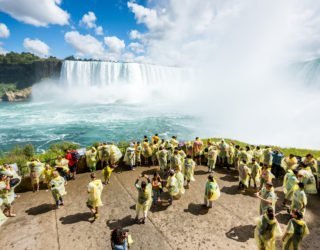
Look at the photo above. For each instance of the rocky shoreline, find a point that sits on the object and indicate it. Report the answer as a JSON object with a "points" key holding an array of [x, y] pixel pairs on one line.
{"points": [[17, 95]]}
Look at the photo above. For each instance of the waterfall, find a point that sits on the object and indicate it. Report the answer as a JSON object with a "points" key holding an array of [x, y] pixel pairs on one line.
{"points": [[103, 74], [307, 72]]}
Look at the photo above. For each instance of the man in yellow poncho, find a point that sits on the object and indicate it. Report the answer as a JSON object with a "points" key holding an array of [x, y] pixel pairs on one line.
{"points": [[255, 173], [144, 198], [162, 155], [212, 157], [244, 175], [189, 166], [91, 159], [155, 139], [212, 192], [299, 199], [95, 188], [57, 186], [172, 186], [267, 230], [268, 198], [223, 152], [36, 169], [296, 230], [290, 185]]}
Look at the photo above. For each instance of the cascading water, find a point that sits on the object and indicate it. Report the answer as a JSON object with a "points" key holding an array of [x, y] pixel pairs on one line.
{"points": [[104, 74]]}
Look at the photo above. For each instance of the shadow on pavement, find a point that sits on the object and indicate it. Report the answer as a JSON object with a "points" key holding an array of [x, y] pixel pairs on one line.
{"points": [[200, 172], [75, 218], [230, 178], [196, 209], [233, 190], [283, 218], [41, 209], [241, 233], [124, 222]]}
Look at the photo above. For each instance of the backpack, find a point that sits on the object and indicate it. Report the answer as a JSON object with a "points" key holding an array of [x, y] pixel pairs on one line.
{"points": [[75, 156]]}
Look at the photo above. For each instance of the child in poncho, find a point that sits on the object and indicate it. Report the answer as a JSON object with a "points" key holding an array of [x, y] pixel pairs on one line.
{"points": [[57, 186], [212, 192], [95, 188], [107, 171]]}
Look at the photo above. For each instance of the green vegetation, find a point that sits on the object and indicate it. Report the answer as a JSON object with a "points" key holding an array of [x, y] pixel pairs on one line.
{"points": [[7, 87], [22, 154], [23, 58]]}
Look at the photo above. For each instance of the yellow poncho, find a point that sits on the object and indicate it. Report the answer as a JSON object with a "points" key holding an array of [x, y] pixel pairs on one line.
{"points": [[212, 191], [95, 189]]}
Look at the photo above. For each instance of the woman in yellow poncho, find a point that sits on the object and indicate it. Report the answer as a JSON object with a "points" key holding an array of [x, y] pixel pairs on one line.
{"points": [[95, 188], [296, 230], [299, 199], [212, 192], [57, 186], [267, 230], [6, 195]]}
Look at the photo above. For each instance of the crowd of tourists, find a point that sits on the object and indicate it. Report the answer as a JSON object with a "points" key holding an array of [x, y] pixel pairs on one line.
{"points": [[257, 169]]}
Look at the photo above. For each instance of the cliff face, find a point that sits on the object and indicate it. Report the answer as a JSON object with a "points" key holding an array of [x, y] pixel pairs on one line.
{"points": [[25, 75]]}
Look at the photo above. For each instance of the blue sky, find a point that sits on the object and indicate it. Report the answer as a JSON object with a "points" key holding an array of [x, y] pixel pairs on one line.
{"points": [[113, 15]]}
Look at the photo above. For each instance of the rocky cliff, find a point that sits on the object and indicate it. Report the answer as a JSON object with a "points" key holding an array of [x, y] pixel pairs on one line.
{"points": [[25, 75], [18, 95]]}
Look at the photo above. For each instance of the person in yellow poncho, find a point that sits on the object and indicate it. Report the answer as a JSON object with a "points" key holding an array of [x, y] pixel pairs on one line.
{"points": [[290, 185], [146, 152], [174, 142], [189, 166], [7, 195], [162, 155], [104, 154], [307, 177], [255, 172], [62, 167], [257, 154], [95, 188], [289, 162], [212, 157], [57, 186], [155, 139], [107, 171], [138, 150], [197, 150], [130, 156], [154, 148], [175, 160], [36, 169], [144, 198], [267, 197], [299, 199], [296, 230], [180, 179], [48, 175], [267, 230], [91, 159], [244, 175], [266, 175], [212, 192], [267, 156], [172, 186]]}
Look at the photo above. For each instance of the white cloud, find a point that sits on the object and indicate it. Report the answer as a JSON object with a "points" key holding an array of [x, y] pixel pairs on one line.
{"points": [[4, 31], [137, 48], [35, 12], [85, 45], [99, 30], [114, 44], [89, 21], [135, 35], [150, 17], [36, 47]]}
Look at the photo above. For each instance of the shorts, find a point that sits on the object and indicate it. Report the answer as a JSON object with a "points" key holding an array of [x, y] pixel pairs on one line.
{"points": [[73, 168]]}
